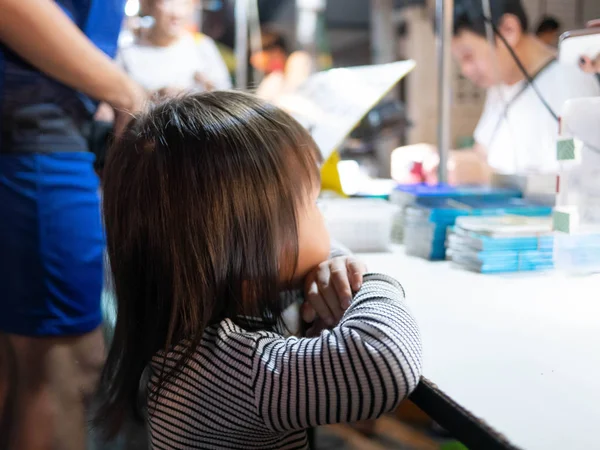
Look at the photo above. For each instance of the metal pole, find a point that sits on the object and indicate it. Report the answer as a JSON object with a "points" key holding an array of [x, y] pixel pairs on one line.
{"points": [[255, 37], [241, 44], [307, 16], [383, 32], [444, 17], [384, 44]]}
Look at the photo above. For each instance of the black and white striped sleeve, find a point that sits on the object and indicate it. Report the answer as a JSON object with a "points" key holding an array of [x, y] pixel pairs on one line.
{"points": [[359, 370]]}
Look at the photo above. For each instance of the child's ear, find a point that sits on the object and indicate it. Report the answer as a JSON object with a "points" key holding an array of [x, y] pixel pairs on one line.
{"points": [[511, 30]]}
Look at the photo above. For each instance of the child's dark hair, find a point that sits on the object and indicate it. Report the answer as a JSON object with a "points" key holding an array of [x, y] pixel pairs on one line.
{"points": [[200, 201], [468, 15]]}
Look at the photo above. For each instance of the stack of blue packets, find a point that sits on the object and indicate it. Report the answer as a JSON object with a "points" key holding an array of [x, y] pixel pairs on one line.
{"points": [[501, 244], [426, 223], [407, 195]]}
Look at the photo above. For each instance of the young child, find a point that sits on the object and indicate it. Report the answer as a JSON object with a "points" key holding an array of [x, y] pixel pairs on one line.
{"points": [[210, 212]]}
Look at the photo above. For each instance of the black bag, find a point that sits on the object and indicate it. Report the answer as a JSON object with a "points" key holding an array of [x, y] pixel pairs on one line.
{"points": [[99, 136]]}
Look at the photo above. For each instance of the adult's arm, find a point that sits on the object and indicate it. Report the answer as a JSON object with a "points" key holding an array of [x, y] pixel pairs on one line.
{"points": [[42, 34]]}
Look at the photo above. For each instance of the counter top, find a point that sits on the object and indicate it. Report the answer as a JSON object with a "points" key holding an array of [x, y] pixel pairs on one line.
{"points": [[519, 351]]}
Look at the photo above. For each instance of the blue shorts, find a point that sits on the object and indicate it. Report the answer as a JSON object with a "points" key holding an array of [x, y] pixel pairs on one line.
{"points": [[51, 244]]}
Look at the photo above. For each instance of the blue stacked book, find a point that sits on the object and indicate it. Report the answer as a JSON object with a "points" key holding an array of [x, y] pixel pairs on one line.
{"points": [[426, 223], [501, 244], [408, 194], [414, 194]]}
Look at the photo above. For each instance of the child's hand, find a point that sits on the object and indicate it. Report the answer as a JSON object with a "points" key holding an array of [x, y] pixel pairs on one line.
{"points": [[328, 289]]}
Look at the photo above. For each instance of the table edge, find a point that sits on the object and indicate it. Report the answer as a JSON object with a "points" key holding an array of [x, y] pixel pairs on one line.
{"points": [[458, 421]]}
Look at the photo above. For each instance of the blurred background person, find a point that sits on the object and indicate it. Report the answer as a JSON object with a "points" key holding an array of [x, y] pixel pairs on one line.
{"points": [[516, 133], [167, 58], [548, 31], [283, 71], [54, 66]]}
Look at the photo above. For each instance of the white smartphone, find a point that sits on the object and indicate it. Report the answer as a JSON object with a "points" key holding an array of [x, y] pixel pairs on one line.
{"points": [[575, 46]]}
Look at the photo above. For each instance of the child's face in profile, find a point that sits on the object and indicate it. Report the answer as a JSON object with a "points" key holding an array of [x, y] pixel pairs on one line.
{"points": [[313, 237]]}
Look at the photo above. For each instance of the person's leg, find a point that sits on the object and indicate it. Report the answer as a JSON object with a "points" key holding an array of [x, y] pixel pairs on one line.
{"points": [[56, 379], [8, 382], [51, 246]]}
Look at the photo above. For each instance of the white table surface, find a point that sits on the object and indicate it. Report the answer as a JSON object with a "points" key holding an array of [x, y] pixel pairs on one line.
{"points": [[520, 351]]}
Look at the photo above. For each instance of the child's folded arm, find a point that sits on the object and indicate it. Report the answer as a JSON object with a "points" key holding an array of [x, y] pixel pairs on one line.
{"points": [[359, 370]]}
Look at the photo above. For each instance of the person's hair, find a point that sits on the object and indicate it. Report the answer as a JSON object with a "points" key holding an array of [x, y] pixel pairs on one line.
{"points": [[469, 15], [200, 206], [547, 24], [272, 40]]}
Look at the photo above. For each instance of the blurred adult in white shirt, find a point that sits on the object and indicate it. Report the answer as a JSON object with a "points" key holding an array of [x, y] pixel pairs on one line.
{"points": [[517, 131], [168, 58]]}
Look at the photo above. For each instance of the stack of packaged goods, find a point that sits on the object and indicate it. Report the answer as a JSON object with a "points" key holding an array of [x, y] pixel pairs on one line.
{"points": [[426, 223], [501, 244], [404, 196]]}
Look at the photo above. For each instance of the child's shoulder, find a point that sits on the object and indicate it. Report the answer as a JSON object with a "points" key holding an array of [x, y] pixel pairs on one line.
{"points": [[244, 335], [224, 341], [221, 342]]}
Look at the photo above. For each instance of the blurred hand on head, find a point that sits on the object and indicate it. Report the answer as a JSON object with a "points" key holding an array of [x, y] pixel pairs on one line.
{"points": [[136, 102], [168, 92], [203, 81], [104, 113]]}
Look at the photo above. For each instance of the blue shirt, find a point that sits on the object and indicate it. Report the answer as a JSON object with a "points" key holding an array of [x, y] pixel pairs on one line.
{"points": [[23, 86]]}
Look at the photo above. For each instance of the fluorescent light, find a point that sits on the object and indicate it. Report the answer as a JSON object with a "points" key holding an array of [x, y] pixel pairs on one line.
{"points": [[132, 8]]}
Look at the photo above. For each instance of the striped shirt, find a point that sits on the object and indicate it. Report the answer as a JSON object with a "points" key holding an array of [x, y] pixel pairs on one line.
{"points": [[259, 390]]}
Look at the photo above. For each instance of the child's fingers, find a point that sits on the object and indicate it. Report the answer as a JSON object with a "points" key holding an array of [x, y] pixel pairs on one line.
{"points": [[332, 301], [328, 292], [318, 303], [309, 315], [356, 270], [341, 282]]}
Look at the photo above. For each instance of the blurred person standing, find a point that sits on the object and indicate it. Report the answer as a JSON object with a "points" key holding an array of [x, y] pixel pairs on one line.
{"points": [[54, 67], [283, 71], [167, 58], [526, 90]]}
